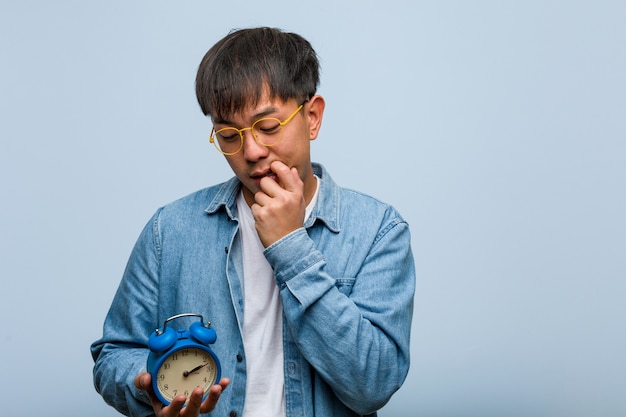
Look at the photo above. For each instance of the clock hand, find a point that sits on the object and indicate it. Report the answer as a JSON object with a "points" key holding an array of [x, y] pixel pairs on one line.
{"points": [[197, 368]]}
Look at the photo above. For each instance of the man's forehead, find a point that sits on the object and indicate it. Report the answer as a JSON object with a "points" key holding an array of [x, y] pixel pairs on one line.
{"points": [[252, 111]]}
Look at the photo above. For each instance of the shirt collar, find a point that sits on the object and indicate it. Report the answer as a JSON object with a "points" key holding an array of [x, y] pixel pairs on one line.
{"points": [[326, 209]]}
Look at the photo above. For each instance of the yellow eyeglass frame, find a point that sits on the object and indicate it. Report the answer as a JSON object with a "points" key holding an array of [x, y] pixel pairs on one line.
{"points": [[251, 128]]}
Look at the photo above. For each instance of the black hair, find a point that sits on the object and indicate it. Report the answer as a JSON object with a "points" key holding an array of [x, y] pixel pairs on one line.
{"points": [[235, 71]]}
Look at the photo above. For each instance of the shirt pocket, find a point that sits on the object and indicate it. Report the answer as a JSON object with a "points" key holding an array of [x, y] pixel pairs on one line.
{"points": [[344, 285]]}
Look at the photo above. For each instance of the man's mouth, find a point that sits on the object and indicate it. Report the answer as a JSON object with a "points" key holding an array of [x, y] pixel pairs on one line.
{"points": [[268, 173]]}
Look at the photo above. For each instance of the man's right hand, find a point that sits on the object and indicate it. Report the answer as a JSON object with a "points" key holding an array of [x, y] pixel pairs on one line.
{"points": [[194, 407]]}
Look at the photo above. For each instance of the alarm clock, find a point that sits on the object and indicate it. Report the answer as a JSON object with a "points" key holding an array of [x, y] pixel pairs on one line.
{"points": [[181, 360]]}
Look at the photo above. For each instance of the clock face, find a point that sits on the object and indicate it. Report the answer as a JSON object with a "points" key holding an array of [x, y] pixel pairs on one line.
{"points": [[185, 369]]}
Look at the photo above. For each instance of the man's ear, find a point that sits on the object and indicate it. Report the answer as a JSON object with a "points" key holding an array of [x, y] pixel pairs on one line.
{"points": [[315, 111]]}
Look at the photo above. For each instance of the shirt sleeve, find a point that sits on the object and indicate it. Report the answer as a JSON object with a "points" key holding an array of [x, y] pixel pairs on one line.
{"points": [[357, 339], [121, 354]]}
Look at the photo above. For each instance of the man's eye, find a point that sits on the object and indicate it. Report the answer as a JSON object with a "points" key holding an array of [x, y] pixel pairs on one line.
{"points": [[267, 126], [268, 130], [228, 137]]}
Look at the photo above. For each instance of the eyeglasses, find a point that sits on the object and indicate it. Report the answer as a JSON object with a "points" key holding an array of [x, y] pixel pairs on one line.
{"points": [[267, 131]]}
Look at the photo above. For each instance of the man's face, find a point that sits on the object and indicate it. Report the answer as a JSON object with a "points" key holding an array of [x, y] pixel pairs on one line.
{"points": [[253, 161]]}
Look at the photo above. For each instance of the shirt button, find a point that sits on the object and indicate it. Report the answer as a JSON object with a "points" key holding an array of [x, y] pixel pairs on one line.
{"points": [[239, 358], [233, 414]]}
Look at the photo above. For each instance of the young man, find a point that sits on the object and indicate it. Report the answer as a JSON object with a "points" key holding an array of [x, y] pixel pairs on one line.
{"points": [[308, 285]]}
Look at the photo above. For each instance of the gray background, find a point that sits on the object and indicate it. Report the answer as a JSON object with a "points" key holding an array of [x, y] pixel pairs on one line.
{"points": [[497, 128]]}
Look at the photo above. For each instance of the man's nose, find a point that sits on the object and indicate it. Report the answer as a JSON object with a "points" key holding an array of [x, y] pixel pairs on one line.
{"points": [[252, 150]]}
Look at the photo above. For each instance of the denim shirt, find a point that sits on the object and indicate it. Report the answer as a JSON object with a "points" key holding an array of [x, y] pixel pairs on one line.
{"points": [[346, 283]]}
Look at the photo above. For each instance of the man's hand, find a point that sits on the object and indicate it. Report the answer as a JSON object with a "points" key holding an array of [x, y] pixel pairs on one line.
{"points": [[175, 408], [279, 207]]}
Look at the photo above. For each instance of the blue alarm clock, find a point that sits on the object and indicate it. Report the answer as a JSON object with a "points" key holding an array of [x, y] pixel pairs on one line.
{"points": [[181, 360]]}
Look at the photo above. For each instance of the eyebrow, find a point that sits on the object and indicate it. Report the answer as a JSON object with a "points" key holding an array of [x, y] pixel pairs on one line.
{"points": [[259, 115]]}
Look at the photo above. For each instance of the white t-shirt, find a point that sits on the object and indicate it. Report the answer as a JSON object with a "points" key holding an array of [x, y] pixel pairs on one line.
{"points": [[262, 323]]}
